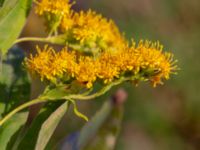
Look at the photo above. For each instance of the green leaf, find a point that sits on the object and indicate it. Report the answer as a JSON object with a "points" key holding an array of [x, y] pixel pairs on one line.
{"points": [[7, 6], [12, 19], [31, 137], [10, 128], [49, 126], [100, 133], [1, 2], [107, 134], [79, 114], [92, 127], [2, 108]]}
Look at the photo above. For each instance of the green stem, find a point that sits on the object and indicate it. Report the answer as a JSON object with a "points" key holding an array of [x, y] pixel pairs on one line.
{"points": [[69, 97], [59, 39], [99, 93], [36, 39], [25, 105], [55, 27]]}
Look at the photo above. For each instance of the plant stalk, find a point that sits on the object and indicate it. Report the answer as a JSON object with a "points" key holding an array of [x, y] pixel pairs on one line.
{"points": [[36, 39], [25, 105], [100, 92]]}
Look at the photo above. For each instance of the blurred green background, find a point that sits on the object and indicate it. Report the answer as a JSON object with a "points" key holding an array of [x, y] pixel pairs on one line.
{"points": [[162, 118]]}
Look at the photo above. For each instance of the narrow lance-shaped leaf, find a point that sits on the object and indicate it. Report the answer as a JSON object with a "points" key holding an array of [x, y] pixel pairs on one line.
{"points": [[107, 134], [49, 126], [77, 141], [12, 19], [6, 6], [91, 128], [102, 130], [31, 136], [10, 128]]}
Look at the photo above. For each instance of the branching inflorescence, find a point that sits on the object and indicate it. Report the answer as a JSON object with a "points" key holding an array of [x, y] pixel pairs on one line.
{"points": [[95, 51], [146, 61], [106, 54]]}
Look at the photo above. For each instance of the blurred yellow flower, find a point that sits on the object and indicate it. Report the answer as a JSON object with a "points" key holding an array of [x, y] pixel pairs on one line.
{"points": [[58, 7], [54, 12]]}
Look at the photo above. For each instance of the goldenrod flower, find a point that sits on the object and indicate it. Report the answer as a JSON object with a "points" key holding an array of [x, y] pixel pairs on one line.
{"points": [[54, 11], [51, 65], [153, 58], [68, 61], [145, 60], [87, 71], [40, 63], [67, 22], [58, 7], [109, 67], [93, 30], [88, 29]]}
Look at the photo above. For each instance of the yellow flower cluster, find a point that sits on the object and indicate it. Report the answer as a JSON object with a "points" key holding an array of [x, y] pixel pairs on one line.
{"points": [[145, 60], [49, 64], [53, 12], [88, 29], [114, 57], [58, 7]]}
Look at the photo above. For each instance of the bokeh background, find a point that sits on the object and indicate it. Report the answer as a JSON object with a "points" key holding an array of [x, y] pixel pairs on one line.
{"points": [[162, 118]]}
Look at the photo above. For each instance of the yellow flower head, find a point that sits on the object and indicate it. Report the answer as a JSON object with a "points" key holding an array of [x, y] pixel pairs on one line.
{"points": [[58, 7], [109, 68], [87, 71], [51, 65], [88, 29], [68, 61], [145, 61], [153, 58], [40, 63], [91, 29], [54, 11]]}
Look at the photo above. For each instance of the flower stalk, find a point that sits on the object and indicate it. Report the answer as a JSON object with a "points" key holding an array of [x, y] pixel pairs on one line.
{"points": [[44, 98], [21, 107]]}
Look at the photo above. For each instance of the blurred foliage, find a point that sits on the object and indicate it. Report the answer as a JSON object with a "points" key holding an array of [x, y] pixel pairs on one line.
{"points": [[14, 81], [9, 31]]}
